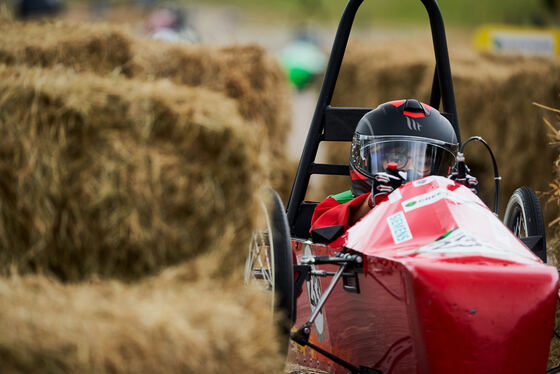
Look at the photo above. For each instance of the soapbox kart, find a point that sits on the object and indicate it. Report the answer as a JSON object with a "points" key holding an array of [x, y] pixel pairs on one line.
{"points": [[430, 281]]}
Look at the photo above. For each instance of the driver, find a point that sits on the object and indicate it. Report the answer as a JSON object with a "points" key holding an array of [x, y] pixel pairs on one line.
{"points": [[397, 142]]}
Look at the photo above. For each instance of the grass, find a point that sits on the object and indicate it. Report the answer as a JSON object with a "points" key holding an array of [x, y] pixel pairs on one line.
{"points": [[456, 12], [461, 13]]}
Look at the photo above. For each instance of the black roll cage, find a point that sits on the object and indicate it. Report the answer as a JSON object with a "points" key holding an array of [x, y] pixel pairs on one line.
{"points": [[338, 124]]}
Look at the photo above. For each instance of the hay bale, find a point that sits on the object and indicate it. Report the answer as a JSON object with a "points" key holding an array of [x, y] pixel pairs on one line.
{"points": [[97, 48], [146, 328], [110, 177], [554, 353], [6, 13], [552, 195], [245, 73], [282, 174], [372, 74], [494, 97]]}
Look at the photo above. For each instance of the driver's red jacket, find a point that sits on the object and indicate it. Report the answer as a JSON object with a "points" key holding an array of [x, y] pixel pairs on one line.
{"points": [[331, 216]]}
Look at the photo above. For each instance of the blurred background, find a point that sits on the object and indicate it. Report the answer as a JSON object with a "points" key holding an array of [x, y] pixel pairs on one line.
{"points": [[224, 92], [507, 50]]}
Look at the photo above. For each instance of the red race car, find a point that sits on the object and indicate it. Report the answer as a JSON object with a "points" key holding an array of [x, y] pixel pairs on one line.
{"points": [[429, 281]]}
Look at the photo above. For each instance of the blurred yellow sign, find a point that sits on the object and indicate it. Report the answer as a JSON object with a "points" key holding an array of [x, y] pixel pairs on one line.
{"points": [[512, 39]]}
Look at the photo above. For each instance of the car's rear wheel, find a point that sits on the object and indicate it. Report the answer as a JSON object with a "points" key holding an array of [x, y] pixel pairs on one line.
{"points": [[524, 217], [269, 263]]}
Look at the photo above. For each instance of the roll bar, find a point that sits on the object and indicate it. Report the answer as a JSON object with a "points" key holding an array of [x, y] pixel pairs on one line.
{"points": [[341, 122]]}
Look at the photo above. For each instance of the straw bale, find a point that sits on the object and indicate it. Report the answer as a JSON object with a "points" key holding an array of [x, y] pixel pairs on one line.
{"points": [[110, 177], [554, 353], [83, 47], [283, 175], [552, 195], [109, 327], [494, 95], [6, 13], [372, 74], [245, 73], [552, 199]]}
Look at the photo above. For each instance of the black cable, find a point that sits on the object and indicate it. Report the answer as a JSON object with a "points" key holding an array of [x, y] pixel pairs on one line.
{"points": [[497, 177]]}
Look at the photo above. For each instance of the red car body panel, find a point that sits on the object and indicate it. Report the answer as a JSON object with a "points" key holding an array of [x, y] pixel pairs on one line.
{"points": [[446, 287]]}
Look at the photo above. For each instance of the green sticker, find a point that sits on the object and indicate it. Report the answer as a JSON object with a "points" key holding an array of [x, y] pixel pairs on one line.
{"points": [[446, 234]]}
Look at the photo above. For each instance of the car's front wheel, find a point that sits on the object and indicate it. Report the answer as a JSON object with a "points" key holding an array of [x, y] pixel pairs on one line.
{"points": [[524, 218], [269, 262]]}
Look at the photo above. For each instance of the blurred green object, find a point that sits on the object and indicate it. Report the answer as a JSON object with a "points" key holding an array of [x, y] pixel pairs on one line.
{"points": [[465, 13], [302, 60]]}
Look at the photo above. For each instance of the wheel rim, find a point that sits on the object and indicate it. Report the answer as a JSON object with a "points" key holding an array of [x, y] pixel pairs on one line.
{"points": [[515, 217], [519, 225], [259, 266]]}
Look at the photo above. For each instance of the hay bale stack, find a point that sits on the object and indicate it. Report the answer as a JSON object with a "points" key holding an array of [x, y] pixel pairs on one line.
{"points": [[85, 47], [120, 178], [372, 74], [114, 166], [494, 97], [246, 74], [552, 195], [108, 327], [6, 13], [282, 175]]}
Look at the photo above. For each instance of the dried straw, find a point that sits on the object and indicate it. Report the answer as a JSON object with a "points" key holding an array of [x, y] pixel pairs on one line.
{"points": [[552, 195], [6, 13], [112, 165], [100, 48], [108, 327], [245, 73], [111, 177]]}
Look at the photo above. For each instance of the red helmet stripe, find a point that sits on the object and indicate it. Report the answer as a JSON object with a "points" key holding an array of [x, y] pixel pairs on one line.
{"points": [[356, 175], [414, 114], [397, 103]]}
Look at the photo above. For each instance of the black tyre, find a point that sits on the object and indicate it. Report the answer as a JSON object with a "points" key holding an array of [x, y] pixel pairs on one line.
{"points": [[524, 218], [269, 263]]}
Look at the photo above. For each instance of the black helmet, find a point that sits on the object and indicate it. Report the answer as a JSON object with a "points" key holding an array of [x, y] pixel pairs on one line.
{"points": [[409, 133]]}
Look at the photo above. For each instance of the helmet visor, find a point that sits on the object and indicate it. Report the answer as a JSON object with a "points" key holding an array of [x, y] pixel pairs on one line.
{"points": [[417, 157]]}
